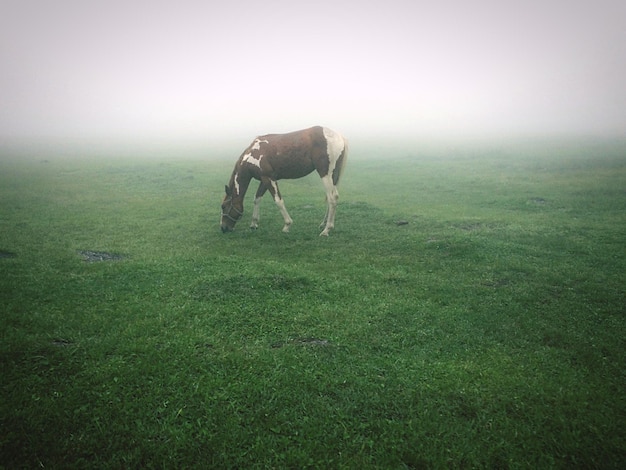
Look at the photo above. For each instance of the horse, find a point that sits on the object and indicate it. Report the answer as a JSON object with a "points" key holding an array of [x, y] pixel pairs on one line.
{"points": [[272, 157]]}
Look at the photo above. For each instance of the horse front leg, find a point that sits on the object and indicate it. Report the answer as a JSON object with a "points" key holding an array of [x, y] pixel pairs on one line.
{"points": [[256, 212], [278, 199]]}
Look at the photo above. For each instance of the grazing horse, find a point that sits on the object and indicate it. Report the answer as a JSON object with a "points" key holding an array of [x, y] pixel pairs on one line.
{"points": [[272, 157]]}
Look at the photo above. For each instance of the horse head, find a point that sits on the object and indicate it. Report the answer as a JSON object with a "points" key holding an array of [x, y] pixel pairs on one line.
{"points": [[232, 210]]}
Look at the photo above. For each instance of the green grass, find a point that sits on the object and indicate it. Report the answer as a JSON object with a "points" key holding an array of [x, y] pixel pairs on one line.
{"points": [[487, 332]]}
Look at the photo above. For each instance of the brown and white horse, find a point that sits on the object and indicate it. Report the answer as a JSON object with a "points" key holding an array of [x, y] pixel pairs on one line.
{"points": [[272, 157]]}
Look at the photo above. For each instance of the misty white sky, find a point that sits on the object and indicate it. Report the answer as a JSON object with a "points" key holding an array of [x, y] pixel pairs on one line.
{"points": [[197, 70]]}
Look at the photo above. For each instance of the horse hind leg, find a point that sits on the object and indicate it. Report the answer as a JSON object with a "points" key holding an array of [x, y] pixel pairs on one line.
{"points": [[323, 222], [332, 198]]}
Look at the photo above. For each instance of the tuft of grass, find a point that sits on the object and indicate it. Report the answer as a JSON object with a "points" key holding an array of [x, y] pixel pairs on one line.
{"points": [[486, 331]]}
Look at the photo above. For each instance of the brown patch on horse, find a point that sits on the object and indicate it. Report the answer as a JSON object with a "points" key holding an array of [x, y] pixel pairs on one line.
{"points": [[288, 156]]}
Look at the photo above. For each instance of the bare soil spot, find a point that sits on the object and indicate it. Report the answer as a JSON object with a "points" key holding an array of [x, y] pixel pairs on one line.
{"points": [[471, 226], [496, 283], [7, 254], [314, 342], [96, 256]]}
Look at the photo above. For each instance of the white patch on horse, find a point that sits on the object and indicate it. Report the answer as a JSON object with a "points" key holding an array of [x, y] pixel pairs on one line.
{"points": [[258, 142], [249, 158], [237, 183], [334, 147]]}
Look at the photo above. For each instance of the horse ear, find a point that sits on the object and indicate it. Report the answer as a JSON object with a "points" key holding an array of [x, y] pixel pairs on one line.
{"points": [[228, 193]]}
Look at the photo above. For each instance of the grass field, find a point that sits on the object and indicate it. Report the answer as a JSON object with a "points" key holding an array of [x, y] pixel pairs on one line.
{"points": [[487, 332]]}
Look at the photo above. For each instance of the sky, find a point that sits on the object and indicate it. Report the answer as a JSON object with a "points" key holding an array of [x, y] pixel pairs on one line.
{"points": [[200, 71]]}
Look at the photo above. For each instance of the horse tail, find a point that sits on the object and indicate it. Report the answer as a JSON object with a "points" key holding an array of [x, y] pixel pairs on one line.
{"points": [[341, 162]]}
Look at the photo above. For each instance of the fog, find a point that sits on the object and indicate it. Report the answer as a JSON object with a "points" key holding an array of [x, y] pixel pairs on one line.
{"points": [[198, 73]]}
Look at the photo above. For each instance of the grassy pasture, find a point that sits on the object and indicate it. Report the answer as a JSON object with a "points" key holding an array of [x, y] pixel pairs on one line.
{"points": [[489, 331]]}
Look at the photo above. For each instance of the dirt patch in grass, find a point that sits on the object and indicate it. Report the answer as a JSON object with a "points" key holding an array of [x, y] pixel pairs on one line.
{"points": [[496, 283], [470, 226], [7, 254], [314, 342], [96, 256]]}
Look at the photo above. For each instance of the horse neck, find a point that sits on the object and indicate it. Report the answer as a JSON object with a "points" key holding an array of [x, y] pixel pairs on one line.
{"points": [[243, 179]]}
